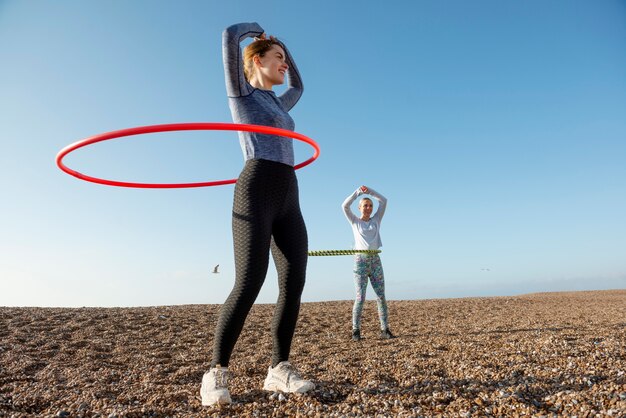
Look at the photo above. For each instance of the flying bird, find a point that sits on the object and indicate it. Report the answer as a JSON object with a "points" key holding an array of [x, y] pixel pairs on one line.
{"points": [[215, 269]]}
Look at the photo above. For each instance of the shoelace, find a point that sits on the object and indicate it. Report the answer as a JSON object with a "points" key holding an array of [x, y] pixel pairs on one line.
{"points": [[221, 379], [290, 371]]}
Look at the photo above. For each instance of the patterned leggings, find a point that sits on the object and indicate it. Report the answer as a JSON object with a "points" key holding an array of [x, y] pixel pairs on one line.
{"points": [[369, 266]]}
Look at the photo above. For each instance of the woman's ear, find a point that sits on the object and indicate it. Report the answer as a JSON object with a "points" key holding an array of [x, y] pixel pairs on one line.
{"points": [[257, 61]]}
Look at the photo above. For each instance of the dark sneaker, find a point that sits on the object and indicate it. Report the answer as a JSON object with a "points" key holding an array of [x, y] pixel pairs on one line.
{"points": [[386, 334], [356, 335]]}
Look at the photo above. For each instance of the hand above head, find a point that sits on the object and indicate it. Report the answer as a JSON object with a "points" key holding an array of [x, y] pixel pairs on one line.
{"points": [[263, 37], [364, 189]]}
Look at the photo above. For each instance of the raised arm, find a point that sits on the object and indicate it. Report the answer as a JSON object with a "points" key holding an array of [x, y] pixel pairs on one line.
{"points": [[382, 203], [236, 84], [295, 87], [352, 218]]}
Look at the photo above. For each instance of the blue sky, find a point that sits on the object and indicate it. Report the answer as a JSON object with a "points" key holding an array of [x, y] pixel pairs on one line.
{"points": [[496, 129]]}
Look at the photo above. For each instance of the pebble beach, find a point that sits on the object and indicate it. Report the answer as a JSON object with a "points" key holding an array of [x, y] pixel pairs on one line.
{"points": [[539, 355]]}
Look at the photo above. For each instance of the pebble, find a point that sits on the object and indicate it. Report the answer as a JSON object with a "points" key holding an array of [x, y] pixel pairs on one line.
{"points": [[117, 362]]}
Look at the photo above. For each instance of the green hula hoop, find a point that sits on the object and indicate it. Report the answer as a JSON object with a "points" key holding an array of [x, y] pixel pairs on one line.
{"points": [[341, 252]]}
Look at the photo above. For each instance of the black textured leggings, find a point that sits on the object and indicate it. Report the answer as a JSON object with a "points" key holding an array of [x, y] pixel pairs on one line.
{"points": [[266, 212]]}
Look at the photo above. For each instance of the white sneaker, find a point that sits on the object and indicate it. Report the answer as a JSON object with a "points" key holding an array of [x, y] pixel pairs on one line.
{"points": [[215, 387], [285, 378]]}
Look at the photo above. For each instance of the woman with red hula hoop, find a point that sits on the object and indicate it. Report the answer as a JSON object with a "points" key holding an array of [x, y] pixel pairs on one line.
{"points": [[266, 209]]}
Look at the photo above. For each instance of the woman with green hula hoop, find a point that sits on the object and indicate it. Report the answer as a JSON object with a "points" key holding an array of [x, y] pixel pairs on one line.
{"points": [[367, 265]]}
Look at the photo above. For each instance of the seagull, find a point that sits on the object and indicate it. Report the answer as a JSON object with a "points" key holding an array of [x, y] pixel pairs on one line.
{"points": [[215, 269], [486, 269]]}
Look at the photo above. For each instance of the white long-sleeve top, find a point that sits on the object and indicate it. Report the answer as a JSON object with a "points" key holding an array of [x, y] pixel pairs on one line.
{"points": [[366, 233]]}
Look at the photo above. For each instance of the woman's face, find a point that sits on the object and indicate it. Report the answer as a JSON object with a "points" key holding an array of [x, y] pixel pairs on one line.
{"points": [[366, 206], [272, 65]]}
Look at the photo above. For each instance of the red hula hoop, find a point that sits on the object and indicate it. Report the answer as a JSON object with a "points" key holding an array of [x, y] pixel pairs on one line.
{"points": [[201, 126]]}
